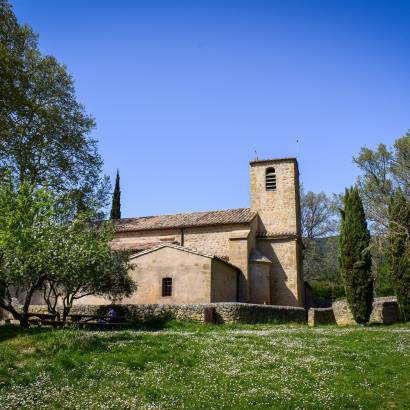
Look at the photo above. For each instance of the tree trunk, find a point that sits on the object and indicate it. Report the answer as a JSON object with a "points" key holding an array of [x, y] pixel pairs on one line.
{"points": [[24, 320], [66, 311]]}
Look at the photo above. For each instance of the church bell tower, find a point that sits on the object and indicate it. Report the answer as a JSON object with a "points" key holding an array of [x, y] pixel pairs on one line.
{"points": [[275, 197]]}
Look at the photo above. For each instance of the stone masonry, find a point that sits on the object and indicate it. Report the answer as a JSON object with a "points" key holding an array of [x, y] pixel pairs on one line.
{"points": [[270, 229], [224, 312]]}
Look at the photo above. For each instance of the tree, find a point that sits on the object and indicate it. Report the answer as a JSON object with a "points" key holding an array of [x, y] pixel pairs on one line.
{"points": [[355, 258], [85, 265], [319, 220], [41, 247], [116, 199], [44, 131], [383, 172], [26, 228], [399, 250], [318, 215]]}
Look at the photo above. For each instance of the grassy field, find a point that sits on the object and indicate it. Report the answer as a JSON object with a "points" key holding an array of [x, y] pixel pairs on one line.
{"points": [[206, 367]]}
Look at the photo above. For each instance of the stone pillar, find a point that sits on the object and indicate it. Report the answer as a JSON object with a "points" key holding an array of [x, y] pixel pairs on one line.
{"points": [[239, 256]]}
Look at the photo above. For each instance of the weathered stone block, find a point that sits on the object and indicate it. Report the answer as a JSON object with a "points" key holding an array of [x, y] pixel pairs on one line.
{"points": [[318, 316], [385, 310]]}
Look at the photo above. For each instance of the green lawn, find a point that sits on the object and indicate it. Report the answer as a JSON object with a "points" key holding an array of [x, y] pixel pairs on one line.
{"points": [[188, 366]]}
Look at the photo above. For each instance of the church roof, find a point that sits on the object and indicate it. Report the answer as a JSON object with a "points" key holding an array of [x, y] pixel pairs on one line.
{"points": [[183, 249], [193, 219]]}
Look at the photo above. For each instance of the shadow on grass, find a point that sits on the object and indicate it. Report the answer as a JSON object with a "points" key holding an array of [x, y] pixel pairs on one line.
{"points": [[11, 331]]}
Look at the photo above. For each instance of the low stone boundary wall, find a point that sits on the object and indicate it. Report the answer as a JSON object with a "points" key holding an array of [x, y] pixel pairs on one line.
{"points": [[385, 310], [321, 316], [223, 312], [249, 313]]}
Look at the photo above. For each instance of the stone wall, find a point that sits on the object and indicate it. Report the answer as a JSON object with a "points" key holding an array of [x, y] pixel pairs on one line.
{"points": [[286, 287], [145, 239], [279, 209], [385, 310], [259, 281], [224, 282], [321, 316], [279, 216], [224, 312], [213, 240]]}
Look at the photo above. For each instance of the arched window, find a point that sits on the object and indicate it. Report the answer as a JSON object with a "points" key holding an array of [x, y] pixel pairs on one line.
{"points": [[270, 179], [166, 287]]}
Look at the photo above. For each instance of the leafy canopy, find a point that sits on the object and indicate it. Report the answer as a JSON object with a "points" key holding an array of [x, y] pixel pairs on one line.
{"points": [[40, 246], [399, 250], [85, 265], [44, 131], [384, 170]]}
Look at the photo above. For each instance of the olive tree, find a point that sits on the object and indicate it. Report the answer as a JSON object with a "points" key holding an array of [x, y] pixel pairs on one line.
{"points": [[84, 265], [26, 230], [41, 247]]}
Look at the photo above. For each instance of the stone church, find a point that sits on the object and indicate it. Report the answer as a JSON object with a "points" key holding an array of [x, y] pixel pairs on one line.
{"points": [[250, 255]]}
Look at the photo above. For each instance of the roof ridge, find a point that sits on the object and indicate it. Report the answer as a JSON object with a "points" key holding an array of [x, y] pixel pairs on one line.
{"points": [[189, 219]]}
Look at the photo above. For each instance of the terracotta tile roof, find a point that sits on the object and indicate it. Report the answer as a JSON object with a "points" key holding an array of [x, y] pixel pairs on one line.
{"points": [[193, 219]]}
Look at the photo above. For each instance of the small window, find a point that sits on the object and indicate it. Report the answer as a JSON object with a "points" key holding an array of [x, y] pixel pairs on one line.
{"points": [[270, 179], [166, 287]]}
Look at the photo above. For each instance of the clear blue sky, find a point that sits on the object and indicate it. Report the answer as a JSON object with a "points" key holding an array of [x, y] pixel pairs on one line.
{"points": [[184, 92]]}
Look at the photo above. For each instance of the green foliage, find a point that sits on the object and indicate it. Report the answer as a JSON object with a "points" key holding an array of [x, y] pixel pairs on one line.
{"points": [[116, 199], [84, 264], [320, 266], [399, 252], [384, 170], [320, 260], [44, 131], [355, 257], [327, 291], [318, 215], [41, 246], [320, 250], [26, 231], [383, 284]]}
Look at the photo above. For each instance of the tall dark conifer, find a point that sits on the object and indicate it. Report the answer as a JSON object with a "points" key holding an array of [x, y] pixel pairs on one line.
{"points": [[116, 199], [399, 253], [355, 258]]}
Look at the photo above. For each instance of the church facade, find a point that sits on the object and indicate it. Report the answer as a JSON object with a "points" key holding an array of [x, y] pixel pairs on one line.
{"points": [[250, 255]]}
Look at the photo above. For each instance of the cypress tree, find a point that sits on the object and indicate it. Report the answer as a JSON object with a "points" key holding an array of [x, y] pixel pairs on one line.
{"points": [[355, 258], [116, 199], [398, 252]]}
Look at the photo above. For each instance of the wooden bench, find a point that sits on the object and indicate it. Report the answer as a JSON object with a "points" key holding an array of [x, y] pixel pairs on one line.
{"points": [[44, 316], [80, 318], [41, 318], [100, 321]]}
